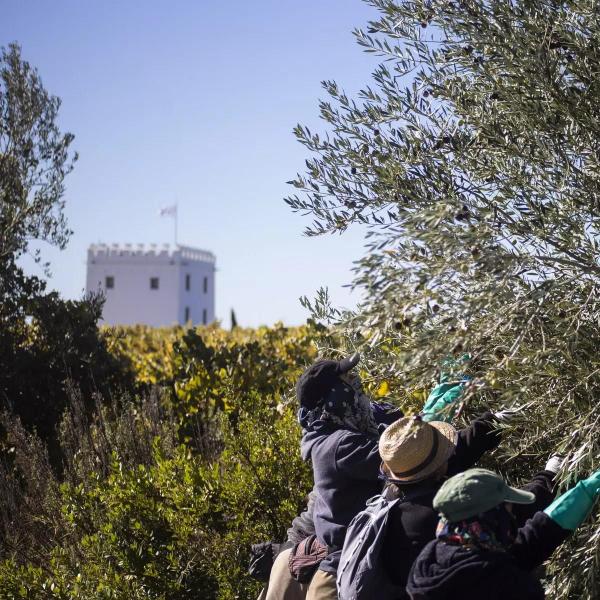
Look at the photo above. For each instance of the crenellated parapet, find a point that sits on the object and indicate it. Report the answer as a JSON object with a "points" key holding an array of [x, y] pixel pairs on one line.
{"points": [[149, 251]]}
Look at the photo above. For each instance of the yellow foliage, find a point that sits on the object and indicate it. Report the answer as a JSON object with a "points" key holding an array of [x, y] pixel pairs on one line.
{"points": [[150, 350], [383, 389]]}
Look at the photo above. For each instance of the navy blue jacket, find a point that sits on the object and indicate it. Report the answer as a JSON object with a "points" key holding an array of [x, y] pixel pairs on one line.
{"points": [[446, 572], [346, 474]]}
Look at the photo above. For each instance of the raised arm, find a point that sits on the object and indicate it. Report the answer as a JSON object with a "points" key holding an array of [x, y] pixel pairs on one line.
{"points": [[473, 442], [542, 486], [542, 534]]}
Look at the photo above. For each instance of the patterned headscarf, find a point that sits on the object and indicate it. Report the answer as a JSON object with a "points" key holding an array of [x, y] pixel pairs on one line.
{"points": [[345, 405], [495, 530]]}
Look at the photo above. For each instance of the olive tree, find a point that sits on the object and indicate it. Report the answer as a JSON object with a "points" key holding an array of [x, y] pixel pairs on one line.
{"points": [[44, 340], [34, 159], [473, 161]]}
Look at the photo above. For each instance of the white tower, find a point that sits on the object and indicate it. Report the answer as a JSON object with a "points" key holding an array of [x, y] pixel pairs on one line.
{"points": [[153, 285]]}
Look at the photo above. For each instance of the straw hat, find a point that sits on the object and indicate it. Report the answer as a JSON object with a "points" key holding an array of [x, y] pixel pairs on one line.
{"points": [[412, 449]]}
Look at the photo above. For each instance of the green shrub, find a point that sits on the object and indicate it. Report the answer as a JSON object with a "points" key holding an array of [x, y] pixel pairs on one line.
{"points": [[166, 522]]}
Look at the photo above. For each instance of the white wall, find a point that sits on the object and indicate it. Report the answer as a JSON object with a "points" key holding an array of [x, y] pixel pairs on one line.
{"points": [[132, 300], [195, 298]]}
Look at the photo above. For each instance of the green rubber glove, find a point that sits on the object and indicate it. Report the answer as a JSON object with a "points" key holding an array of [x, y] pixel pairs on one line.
{"points": [[453, 368], [572, 508], [442, 402]]}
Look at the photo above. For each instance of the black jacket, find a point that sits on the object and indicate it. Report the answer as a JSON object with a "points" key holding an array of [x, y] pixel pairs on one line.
{"points": [[413, 521], [346, 474], [542, 486], [446, 572]]}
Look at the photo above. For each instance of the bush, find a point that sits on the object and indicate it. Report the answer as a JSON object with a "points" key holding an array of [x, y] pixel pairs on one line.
{"points": [[208, 371], [45, 343], [179, 527], [144, 511]]}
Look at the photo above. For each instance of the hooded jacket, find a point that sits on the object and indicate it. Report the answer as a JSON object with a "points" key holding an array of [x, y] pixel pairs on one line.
{"points": [[445, 572], [346, 474]]}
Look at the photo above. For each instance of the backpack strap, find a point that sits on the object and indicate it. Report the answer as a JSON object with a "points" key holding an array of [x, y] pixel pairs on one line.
{"points": [[405, 493]]}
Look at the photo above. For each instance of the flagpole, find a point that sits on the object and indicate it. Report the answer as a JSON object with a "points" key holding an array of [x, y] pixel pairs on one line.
{"points": [[176, 217], [171, 211]]}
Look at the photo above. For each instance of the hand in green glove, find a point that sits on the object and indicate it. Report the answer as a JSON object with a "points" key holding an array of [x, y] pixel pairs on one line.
{"points": [[442, 402], [572, 508], [453, 368]]}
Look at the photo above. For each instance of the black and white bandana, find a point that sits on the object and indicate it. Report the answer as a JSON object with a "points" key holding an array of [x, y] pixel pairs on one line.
{"points": [[345, 404]]}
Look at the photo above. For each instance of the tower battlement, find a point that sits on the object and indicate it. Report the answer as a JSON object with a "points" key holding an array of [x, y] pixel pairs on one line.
{"points": [[150, 250]]}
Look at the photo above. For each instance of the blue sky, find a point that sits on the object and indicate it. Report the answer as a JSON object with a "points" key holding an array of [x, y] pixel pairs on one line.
{"points": [[194, 102]]}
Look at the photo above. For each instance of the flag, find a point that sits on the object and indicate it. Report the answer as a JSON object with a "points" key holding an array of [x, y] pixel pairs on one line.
{"points": [[168, 211]]}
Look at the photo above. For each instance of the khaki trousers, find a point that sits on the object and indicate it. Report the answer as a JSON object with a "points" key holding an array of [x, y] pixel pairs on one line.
{"points": [[322, 587], [282, 586]]}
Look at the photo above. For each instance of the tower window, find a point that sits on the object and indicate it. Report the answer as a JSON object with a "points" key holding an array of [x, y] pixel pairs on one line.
{"points": [[205, 285], [204, 316], [187, 314], [110, 282], [187, 282], [153, 283]]}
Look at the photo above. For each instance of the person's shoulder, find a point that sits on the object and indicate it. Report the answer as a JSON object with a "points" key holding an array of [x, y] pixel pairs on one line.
{"points": [[356, 453], [351, 435], [324, 440], [347, 438]]}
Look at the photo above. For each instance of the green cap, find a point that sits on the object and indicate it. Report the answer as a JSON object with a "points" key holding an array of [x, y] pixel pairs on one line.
{"points": [[474, 492]]}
